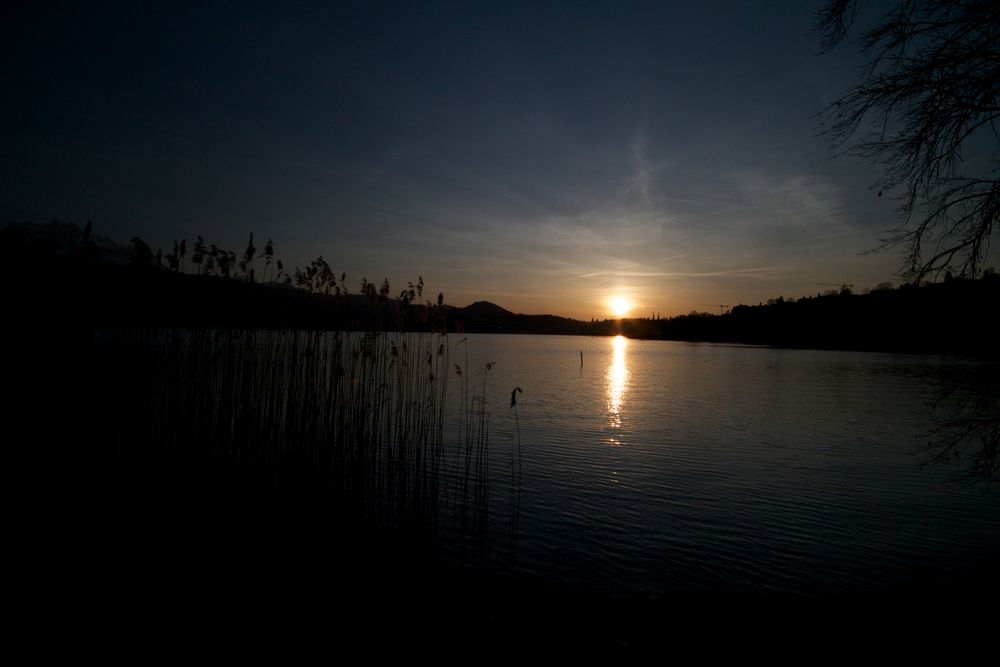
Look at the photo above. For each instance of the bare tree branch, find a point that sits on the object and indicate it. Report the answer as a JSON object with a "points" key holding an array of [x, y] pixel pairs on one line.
{"points": [[931, 91]]}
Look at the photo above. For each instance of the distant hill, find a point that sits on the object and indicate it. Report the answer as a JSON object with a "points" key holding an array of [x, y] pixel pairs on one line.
{"points": [[486, 317], [486, 310], [482, 316]]}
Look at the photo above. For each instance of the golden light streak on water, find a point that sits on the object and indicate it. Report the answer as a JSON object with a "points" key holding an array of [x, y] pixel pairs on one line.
{"points": [[617, 382]]}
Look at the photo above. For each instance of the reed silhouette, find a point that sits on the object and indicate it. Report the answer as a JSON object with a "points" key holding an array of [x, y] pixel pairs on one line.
{"points": [[176, 405]]}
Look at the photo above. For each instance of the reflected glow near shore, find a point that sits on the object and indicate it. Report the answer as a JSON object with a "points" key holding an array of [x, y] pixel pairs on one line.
{"points": [[617, 381]]}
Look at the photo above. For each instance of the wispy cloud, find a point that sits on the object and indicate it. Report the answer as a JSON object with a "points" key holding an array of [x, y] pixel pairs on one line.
{"points": [[641, 176], [750, 272]]}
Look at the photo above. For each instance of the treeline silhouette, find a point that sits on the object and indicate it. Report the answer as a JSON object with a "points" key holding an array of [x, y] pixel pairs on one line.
{"points": [[953, 316], [61, 274]]}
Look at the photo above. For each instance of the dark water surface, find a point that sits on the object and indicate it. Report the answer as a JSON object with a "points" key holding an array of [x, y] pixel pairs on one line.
{"points": [[659, 466]]}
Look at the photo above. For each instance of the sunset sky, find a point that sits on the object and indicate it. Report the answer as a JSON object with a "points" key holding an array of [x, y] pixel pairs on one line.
{"points": [[549, 157]]}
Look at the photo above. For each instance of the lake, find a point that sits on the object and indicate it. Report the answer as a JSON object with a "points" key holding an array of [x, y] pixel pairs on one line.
{"points": [[656, 466], [651, 467]]}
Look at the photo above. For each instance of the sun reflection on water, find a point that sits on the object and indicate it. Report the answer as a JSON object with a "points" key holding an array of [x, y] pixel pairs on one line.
{"points": [[617, 383]]}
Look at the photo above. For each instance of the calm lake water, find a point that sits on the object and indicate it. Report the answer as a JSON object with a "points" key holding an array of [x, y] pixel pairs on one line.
{"points": [[662, 466]]}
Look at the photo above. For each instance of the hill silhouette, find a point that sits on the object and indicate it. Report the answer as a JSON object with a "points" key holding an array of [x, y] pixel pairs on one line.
{"points": [[486, 317]]}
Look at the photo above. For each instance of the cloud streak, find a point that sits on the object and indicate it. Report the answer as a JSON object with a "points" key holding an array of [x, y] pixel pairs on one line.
{"points": [[753, 272]]}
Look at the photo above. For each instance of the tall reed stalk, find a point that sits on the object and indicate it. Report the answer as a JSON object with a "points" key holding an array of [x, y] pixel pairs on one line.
{"points": [[353, 423]]}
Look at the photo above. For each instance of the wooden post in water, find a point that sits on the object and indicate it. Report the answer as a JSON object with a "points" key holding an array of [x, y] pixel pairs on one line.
{"points": [[581, 358]]}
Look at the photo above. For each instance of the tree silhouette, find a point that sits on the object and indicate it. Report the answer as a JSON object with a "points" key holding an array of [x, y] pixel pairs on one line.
{"points": [[927, 111]]}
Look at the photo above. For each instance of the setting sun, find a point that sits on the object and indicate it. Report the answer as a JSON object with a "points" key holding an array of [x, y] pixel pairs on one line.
{"points": [[620, 306]]}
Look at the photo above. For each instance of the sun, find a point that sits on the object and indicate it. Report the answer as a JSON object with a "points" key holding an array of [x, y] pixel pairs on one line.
{"points": [[620, 306]]}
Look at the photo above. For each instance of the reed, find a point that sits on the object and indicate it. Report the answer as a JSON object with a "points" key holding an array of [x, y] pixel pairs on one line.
{"points": [[468, 502], [350, 425]]}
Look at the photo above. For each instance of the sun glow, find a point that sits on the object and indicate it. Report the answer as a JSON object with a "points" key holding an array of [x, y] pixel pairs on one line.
{"points": [[620, 306]]}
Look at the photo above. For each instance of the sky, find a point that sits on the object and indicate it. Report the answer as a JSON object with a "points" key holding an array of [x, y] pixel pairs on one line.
{"points": [[545, 156]]}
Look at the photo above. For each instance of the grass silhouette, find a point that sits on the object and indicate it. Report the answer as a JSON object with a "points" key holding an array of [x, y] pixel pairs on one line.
{"points": [[350, 424]]}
